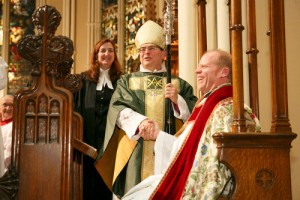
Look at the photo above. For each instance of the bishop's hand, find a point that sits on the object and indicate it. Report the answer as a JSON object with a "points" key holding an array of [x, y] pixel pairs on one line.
{"points": [[149, 129]]}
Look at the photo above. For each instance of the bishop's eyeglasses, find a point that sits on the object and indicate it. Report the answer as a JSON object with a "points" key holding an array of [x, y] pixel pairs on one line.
{"points": [[149, 48]]}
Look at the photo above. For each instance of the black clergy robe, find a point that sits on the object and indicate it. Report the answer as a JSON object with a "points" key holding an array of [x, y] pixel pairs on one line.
{"points": [[122, 164], [93, 106]]}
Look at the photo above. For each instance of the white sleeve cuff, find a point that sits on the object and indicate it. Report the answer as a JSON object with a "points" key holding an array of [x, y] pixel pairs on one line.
{"points": [[183, 108], [129, 120]]}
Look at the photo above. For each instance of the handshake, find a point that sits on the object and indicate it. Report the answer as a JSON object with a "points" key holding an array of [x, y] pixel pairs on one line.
{"points": [[149, 129]]}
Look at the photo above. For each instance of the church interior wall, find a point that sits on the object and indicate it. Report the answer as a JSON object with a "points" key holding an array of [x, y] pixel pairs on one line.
{"points": [[292, 19], [82, 53]]}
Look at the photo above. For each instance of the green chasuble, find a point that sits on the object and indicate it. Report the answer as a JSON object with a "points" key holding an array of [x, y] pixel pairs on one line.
{"points": [[126, 162]]}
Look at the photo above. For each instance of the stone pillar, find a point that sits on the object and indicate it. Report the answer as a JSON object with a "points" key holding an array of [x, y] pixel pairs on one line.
{"points": [[68, 20], [187, 34], [223, 25], [94, 24]]}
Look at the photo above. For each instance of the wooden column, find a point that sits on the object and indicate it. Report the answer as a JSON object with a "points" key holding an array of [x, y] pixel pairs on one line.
{"points": [[252, 52], [280, 120], [121, 34], [202, 37], [239, 123], [6, 30]]}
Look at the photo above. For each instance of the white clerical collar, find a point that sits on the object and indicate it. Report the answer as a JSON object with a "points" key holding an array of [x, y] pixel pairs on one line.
{"points": [[104, 80], [163, 69]]}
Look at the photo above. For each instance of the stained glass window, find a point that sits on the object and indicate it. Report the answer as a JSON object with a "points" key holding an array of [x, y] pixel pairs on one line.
{"points": [[135, 16], [109, 20], [20, 24]]}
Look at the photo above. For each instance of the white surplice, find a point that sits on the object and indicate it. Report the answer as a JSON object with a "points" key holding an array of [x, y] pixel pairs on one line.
{"points": [[166, 147]]}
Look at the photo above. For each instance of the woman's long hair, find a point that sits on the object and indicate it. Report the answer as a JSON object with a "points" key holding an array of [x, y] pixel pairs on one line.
{"points": [[94, 72]]}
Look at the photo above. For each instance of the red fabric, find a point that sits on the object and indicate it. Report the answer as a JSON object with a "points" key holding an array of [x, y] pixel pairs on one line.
{"points": [[2, 123], [173, 183], [176, 108]]}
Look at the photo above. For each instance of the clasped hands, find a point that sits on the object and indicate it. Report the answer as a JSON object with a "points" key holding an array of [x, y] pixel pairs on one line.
{"points": [[149, 129]]}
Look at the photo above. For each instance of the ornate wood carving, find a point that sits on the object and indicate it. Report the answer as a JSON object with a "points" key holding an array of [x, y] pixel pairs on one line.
{"points": [[44, 164], [260, 163], [65, 79], [9, 184], [265, 178]]}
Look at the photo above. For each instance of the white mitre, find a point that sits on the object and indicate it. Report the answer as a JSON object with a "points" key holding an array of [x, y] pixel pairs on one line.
{"points": [[150, 33]]}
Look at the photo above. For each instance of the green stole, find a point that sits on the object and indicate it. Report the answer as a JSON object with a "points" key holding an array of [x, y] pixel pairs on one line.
{"points": [[154, 88]]}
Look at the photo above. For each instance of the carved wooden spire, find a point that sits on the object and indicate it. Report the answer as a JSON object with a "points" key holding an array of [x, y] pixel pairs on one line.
{"points": [[44, 50], [44, 123]]}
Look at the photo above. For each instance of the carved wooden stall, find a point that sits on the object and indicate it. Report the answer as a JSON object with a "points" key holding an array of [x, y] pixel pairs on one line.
{"points": [[47, 134], [260, 162]]}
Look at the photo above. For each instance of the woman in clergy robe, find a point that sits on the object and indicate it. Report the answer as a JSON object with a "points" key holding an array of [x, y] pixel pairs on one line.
{"points": [[92, 102], [141, 97], [187, 165]]}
